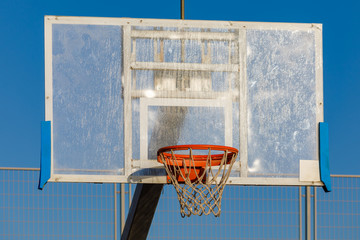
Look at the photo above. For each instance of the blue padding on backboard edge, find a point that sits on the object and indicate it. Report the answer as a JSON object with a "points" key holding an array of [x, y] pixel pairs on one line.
{"points": [[45, 154], [324, 156]]}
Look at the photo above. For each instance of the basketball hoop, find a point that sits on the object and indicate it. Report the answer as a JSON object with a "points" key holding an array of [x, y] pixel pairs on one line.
{"points": [[199, 174]]}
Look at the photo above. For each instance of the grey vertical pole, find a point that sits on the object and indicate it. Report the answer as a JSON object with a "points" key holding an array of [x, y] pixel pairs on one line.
{"points": [[115, 212], [182, 7], [308, 213], [130, 195], [300, 213], [122, 206]]}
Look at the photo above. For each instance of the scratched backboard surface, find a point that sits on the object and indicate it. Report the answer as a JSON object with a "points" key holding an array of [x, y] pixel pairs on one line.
{"points": [[281, 100], [119, 89], [87, 101]]}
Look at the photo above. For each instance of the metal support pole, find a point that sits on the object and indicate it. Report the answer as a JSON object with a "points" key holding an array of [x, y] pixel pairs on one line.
{"points": [[130, 195], [308, 213], [115, 212], [182, 7], [122, 206]]}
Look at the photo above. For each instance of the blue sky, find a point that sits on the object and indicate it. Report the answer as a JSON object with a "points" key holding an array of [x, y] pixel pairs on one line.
{"points": [[22, 62]]}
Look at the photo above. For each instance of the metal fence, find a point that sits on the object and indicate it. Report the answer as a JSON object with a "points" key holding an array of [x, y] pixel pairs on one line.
{"points": [[60, 211], [247, 213], [95, 211], [338, 213]]}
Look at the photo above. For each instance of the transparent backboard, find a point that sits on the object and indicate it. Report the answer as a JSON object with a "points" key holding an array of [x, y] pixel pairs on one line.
{"points": [[117, 90]]}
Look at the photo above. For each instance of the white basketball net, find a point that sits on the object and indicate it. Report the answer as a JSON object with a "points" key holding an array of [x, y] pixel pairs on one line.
{"points": [[202, 195]]}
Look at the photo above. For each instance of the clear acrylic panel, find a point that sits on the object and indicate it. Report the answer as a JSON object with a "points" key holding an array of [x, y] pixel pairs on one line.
{"points": [[281, 101], [87, 99]]}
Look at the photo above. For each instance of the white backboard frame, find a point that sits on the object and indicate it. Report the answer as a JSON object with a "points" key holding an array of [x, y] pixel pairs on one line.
{"points": [[126, 24]]}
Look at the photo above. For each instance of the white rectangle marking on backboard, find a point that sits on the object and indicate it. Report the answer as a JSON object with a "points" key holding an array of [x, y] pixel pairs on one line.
{"points": [[146, 102], [309, 170]]}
